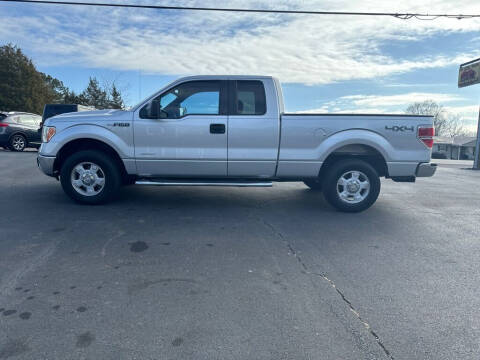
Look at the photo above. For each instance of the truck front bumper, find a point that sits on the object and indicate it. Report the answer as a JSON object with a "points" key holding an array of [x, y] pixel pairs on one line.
{"points": [[45, 163], [426, 169]]}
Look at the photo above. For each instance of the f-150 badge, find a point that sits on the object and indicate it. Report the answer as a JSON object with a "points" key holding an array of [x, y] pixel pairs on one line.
{"points": [[119, 124]]}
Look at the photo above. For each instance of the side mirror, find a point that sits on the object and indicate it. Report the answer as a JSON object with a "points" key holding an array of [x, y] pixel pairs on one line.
{"points": [[154, 109]]}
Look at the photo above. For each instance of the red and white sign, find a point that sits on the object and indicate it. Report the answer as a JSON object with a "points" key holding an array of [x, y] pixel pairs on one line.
{"points": [[469, 73]]}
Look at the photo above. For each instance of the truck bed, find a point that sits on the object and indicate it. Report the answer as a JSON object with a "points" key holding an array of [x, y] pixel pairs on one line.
{"points": [[308, 139]]}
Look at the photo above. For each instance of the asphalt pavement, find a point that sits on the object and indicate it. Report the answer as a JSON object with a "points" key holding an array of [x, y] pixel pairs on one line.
{"points": [[236, 273]]}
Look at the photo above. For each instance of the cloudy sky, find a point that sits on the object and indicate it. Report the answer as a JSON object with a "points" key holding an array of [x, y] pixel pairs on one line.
{"points": [[326, 63]]}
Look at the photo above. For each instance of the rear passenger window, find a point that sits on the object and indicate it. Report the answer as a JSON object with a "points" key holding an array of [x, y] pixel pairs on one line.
{"points": [[250, 98], [37, 120], [27, 120]]}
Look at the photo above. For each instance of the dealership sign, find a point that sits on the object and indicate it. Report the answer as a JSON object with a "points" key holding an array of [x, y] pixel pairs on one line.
{"points": [[469, 73]]}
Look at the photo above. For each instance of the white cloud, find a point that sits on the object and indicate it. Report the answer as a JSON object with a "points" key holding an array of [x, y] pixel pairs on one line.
{"points": [[468, 114], [405, 85], [400, 99], [349, 110], [300, 48], [396, 104]]}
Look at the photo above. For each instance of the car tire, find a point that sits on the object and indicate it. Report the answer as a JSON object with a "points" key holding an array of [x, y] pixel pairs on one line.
{"points": [[351, 185], [17, 143], [90, 177], [314, 184]]}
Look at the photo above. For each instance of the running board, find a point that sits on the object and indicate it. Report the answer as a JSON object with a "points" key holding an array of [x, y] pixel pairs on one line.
{"points": [[204, 183]]}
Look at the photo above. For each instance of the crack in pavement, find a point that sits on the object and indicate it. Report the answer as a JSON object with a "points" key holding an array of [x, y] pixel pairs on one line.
{"points": [[332, 284], [10, 281], [103, 252], [118, 234], [356, 313]]}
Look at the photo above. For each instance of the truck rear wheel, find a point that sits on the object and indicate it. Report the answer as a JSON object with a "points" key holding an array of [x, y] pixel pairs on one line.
{"points": [[90, 177], [351, 185]]}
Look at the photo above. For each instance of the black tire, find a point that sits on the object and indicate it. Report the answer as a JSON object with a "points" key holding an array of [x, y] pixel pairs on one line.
{"points": [[17, 143], [314, 184], [336, 171], [108, 167]]}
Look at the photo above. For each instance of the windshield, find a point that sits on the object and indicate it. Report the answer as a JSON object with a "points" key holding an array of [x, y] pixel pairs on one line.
{"points": [[139, 103]]}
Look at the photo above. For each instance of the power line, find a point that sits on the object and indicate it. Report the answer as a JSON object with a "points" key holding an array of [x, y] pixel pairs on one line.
{"points": [[403, 16]]}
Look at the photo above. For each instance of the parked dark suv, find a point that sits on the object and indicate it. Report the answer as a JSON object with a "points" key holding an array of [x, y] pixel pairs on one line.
{"points": [[19, 130]]}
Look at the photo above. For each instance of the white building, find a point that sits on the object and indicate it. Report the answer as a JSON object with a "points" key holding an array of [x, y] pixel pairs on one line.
{"points": [[458, 147]]}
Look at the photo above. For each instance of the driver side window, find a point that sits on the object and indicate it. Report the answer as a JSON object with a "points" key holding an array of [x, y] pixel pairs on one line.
{"points": [[190, 98]]}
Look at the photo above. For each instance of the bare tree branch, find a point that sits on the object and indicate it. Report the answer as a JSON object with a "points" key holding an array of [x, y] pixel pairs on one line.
{"points": [[446, 123]]}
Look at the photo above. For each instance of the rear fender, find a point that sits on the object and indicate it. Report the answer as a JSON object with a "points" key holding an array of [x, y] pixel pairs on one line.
{"points": [[307, 161], [354, 137]]}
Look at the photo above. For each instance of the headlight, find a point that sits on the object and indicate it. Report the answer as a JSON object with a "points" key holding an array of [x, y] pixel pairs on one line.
{"points": [[47, 133]]}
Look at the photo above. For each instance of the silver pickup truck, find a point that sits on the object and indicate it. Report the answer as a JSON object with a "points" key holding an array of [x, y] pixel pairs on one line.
{"points": [[233, 131]]}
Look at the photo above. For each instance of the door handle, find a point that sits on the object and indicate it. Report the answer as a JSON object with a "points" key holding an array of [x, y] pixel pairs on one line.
{"points": [[217, 128]]}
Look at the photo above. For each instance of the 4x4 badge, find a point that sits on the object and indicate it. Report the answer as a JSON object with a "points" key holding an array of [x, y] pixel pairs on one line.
{"points": [[400, 128]]}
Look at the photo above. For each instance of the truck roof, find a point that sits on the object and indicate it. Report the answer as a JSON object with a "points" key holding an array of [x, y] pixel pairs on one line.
{"points": [[203, 77], [224, 77]]}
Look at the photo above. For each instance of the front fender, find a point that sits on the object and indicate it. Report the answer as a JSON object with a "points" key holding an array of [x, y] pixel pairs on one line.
{"points": [[122, 143]]}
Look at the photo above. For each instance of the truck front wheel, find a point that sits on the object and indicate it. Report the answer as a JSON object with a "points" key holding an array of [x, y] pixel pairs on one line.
{"points": [[351, 185], [90, 177]]}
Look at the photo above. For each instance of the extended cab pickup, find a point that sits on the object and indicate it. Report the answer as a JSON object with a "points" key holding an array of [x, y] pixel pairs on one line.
{"points": [[233, 131]]}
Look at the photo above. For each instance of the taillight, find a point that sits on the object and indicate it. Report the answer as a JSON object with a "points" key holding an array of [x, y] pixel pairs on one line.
{"points": [[426, 133], [3, 125]]}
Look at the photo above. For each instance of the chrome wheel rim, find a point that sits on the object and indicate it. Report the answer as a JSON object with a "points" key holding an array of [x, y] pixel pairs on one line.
{"points": [[88, 179], [353, 187], [18, 143]]}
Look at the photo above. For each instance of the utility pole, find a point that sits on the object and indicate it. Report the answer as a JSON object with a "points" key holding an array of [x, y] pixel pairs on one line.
{"points": [[469, 74]]}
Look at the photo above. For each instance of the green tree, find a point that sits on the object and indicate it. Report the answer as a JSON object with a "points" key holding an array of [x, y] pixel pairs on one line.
{"points": [[94, 95], [116, 100], [22, 87], [101, 97], [70, 97], [55, 88]]}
